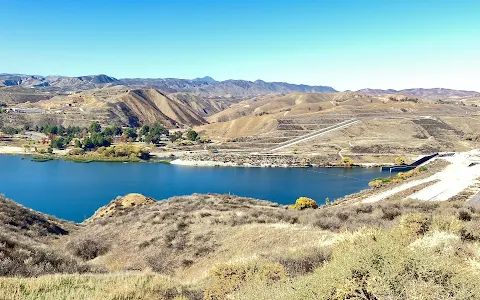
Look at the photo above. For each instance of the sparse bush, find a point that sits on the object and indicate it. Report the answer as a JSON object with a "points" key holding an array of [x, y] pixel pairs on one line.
{"points": [[464, 215], [76, 151], [447, 223], [303, 262], [227, 278], [328, 223], [377, 264], [88, 248], [22, 259], [471, 231], [347, 162], [161, 263], [417, 223], [400, 161], [390, 212], [364, 208]]}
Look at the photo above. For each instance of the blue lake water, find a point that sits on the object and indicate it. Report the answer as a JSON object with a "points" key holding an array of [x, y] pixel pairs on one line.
{"points": [[74, 191]]}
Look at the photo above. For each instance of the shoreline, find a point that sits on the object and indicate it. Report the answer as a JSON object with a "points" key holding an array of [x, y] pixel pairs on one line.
{"points": [[184, 161]]}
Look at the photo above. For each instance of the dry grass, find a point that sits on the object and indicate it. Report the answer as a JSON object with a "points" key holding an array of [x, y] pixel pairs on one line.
{"points": [[96, 287], [384, 264], [319, 250], [25, 237]]}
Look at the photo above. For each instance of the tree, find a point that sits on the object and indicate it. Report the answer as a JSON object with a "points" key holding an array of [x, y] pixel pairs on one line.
{"points": [[10, 130], [155, 133], [192, 135], [26, 148], [144, 130], [95, 127], [175, 136], [58, 143], [400, 161], [75, 130], [61, 130], [117, 130], [108, 131], [130, 133], [88, 143], [99, 140], [78, 144]]}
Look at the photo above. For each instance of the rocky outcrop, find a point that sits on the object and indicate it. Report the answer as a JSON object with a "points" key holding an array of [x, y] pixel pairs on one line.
{"points": [[120, 205]]}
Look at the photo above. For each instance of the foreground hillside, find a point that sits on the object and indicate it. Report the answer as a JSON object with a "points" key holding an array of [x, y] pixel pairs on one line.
{"points": [[220, 246]]}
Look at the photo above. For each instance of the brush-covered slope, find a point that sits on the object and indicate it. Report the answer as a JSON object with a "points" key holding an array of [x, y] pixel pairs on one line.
{"points": [[221, 247], [26, 237]]}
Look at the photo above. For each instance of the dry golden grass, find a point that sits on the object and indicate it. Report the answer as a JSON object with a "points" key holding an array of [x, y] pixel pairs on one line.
{"points": [[167, 249], [95, 287]]}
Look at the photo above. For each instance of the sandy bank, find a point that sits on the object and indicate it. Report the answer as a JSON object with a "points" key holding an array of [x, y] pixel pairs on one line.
{"points": [[11, 150], [206, 163]]}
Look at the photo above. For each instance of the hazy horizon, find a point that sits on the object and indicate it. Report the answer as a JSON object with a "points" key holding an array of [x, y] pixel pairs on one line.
{"points": [[346, 44]]}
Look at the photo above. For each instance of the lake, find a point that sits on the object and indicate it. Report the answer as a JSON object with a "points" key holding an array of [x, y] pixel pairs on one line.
{"points": [[74, 191]]}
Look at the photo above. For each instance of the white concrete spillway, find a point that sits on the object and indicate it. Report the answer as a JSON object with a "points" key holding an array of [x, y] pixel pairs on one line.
{"points": [[462, 173], [313, 135]]}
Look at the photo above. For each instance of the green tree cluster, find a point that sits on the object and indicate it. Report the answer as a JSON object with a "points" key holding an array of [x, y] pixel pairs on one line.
{"points": [[154, 133], [95, 128], [192, 135], [130, 133], [96, 140], [10, 130]]}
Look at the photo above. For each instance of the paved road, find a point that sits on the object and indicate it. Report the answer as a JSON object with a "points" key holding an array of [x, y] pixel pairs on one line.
{"points": [[314, 135]]}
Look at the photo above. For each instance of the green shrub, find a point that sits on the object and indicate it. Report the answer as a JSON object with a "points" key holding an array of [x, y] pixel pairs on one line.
{"points": [[76, 151]]}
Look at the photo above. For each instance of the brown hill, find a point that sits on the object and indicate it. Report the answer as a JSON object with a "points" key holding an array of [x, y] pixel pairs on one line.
{"points": [[150, 105], [113, 105], [390, 125]]}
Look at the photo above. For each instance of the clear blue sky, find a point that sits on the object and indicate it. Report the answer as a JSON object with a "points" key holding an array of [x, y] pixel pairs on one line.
{"points": [[347, 44]]}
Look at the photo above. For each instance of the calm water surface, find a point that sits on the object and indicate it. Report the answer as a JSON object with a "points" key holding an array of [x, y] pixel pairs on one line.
{"points": [[74, 191]]}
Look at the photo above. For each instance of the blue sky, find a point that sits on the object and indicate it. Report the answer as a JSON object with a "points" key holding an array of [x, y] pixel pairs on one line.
{"points": [[347, 44]]}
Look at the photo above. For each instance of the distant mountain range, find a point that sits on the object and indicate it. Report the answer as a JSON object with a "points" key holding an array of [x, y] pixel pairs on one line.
{"points": [[207, 86], [423, 93]]}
